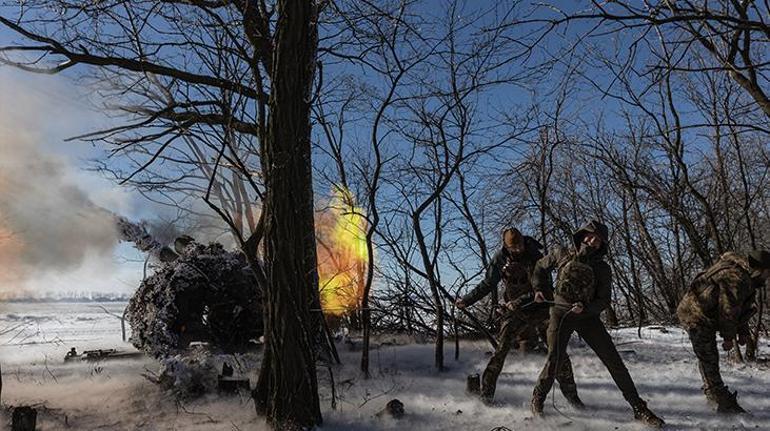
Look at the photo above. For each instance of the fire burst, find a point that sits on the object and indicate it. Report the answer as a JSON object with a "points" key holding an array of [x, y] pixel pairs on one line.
{"points": [[342, 255]]}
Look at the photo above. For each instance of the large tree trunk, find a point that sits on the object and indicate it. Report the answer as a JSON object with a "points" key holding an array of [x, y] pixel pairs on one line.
{"points": [[287, 390]]}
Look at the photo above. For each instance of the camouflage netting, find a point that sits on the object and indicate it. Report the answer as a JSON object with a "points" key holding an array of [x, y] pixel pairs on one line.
{"points": [[207, 294]]}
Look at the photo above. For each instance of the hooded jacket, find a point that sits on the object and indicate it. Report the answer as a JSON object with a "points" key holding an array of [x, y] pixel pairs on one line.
{"points": [[721, 297], [602, 273], [497, 270]]}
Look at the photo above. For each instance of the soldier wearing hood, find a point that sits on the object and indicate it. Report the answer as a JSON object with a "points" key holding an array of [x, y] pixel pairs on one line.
{"points": [[514, 264], [721, 299], [583, 291]]}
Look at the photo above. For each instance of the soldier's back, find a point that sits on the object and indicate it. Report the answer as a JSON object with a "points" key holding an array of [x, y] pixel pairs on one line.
{"points": [[727, 276]]}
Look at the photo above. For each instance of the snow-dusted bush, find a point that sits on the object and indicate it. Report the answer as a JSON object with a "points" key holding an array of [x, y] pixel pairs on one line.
{"points": [[196, 372], [189, 375]]}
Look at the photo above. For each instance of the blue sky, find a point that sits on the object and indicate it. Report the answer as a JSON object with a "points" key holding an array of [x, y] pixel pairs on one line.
{"points": [[63, 109]]}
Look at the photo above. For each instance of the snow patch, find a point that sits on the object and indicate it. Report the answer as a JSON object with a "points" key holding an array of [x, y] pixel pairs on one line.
{"points": [[114, 395]]}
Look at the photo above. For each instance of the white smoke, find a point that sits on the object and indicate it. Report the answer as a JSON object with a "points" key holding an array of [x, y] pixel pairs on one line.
{"points": [[54, 219], [47, 210]]}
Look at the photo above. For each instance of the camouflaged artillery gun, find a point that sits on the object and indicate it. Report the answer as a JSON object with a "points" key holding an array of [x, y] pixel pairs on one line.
{"points": [[197, 293]]}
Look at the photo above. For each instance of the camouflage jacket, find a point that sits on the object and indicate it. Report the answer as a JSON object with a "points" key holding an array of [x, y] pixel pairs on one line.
{"points": [[514, 271], [721, 297], [601, 288], [598, 288]]}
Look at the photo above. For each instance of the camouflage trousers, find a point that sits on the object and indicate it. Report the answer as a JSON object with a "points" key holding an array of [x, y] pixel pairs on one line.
{"points": [[704, 344], [592, 330], [514, 325]]}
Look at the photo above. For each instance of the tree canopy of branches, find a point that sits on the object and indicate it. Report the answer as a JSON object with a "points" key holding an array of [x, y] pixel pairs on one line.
{"points": [[193, 82], [660, 37], [443, 126]]}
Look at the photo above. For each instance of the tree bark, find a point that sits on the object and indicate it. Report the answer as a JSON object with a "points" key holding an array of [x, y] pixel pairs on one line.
{"points": [[287, 390]]}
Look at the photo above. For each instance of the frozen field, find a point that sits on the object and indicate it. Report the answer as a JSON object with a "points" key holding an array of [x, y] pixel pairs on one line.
{"points": [[113, 395]]}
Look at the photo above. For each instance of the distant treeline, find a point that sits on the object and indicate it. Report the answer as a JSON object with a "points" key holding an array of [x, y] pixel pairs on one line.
{"points": [[77, 297]]}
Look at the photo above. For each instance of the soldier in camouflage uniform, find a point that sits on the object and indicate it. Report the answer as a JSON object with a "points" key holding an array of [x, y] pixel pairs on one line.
{"points": [[513, 264], [583, 291], [721, 299]]}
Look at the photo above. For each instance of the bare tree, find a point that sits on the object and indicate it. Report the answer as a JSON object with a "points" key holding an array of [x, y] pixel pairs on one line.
{"points": [[287, 391], [733, 34], [376, 32], [191, 80]]}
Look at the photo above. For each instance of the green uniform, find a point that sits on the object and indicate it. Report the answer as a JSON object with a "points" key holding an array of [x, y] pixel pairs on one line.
{"points": [[720, 299], [582, 276], [515, 271]]}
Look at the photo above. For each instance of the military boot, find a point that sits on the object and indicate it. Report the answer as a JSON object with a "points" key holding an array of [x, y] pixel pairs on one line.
{"points": [[727, 403], [536, 405], [643, 414], [712, 396]]}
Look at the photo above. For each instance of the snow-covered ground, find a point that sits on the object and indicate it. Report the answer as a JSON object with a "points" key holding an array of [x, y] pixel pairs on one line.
{"points": [[113, 395]]}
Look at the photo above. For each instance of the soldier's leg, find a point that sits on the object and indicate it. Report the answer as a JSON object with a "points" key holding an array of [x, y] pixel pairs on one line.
{"points": [[560, 328], [564, 374], [542, 336], [525, 338], [596, 336], [567, 385], [510, 328], [704, 344]]}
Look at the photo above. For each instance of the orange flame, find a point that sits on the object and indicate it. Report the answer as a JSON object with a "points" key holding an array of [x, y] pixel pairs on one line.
{"points": [[342, 255]]}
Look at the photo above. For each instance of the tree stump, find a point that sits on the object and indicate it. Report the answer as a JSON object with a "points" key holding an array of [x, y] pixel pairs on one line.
{"points": [[24, 419], [394, 409], [473, 384]]}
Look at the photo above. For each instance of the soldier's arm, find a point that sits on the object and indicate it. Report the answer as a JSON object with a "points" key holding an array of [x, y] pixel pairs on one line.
{"points": [[747, 312], [729, 307], [490, 281], [541, 275], [603, 295]]}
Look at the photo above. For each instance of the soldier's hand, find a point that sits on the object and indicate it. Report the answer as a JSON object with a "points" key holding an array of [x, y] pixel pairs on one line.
{"points": [[511, 305], [728, 344], [577, 307], [460, 303], [539, 297]]}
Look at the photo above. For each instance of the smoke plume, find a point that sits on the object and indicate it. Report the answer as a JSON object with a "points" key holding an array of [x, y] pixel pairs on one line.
{"points": [[54, 221], [48, 221]]}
